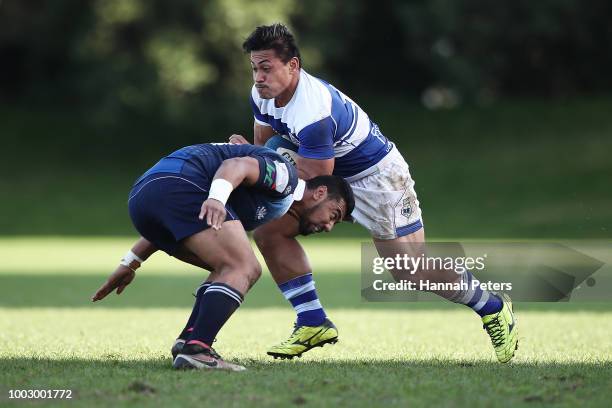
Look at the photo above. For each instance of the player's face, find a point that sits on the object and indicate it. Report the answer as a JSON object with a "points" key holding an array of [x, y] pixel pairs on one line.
{"points": [[322, 216], [272, 76]]}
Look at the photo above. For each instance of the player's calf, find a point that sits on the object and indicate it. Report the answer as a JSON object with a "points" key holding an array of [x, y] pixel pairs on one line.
{"points": [[473, 296], [180, 340]]}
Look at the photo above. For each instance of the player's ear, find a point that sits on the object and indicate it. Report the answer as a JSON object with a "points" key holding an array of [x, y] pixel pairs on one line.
{"points": [[320, 193], [294, 65]]}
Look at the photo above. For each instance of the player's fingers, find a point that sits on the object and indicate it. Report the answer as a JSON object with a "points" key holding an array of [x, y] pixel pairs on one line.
{"points": [[121, 288], [209, 215], [237, 139], [215, 220], [202, 212], [220, 218], [101, 293]]}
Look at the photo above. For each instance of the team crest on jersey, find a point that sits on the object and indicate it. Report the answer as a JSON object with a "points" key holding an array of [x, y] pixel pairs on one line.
{"points": [[406, 208], [261, 212]]}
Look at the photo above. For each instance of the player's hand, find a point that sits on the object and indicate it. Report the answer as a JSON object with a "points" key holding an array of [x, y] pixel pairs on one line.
{"points": [[238, 139], [214, 211], [119, 279]]}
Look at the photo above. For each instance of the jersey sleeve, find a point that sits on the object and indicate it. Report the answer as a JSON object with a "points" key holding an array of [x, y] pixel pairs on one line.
{"points": [[317, 139], [276, 175], [260, 119]]}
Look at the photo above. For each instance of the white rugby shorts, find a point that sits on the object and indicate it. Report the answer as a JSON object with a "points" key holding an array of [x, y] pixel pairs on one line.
{"points": [[385, 201]]}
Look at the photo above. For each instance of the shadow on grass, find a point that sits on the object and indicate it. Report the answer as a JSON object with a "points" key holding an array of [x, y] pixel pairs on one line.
{"points": [[336, 290]]}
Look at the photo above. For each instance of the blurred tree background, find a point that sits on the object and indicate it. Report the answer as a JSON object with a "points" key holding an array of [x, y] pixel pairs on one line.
{"points": [[503, 109]]}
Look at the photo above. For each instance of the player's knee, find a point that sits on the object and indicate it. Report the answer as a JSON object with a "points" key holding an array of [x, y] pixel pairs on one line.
{"points": [[255, 273], [244, 269], [248, 265]]}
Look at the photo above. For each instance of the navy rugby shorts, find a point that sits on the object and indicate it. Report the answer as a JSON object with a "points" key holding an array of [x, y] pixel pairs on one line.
{"points": [[164, 208]]}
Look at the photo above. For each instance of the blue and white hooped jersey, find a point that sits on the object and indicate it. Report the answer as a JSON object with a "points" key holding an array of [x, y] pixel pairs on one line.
{"points": [[325, 123]]}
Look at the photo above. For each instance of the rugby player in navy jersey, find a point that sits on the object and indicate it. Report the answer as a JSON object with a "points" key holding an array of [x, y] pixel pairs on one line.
{"points": [[335, 136], [196, 204]]}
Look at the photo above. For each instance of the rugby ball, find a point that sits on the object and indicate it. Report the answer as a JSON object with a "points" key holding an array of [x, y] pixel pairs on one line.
{"points": [[284, 147]]}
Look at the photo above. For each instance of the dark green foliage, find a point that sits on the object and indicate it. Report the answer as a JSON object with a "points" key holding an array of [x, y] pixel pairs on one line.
{"points": [[93, 92]]}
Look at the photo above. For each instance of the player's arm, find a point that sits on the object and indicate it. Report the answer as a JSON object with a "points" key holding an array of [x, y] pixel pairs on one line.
{"points": [[316, 152], [261, 133], [309, 168], [126, 270], [238, 170], [232, 173]]}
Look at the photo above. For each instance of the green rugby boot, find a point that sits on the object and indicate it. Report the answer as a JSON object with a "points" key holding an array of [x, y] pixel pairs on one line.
{"points": [[305, 338], [503, 330]]}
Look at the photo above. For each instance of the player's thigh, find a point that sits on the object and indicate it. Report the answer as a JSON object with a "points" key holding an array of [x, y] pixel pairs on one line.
{"points": [[185, 255], [385, 201], [228, 247], [412, 245]]}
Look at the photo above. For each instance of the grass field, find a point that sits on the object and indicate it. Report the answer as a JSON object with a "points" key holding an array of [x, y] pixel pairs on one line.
{"points": [[394, 354]]}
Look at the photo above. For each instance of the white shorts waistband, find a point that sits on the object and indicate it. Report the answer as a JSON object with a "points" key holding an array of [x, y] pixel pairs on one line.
{"points": [[375, 168]]}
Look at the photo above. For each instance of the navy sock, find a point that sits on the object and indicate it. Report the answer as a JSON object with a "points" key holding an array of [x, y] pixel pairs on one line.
{"points": [[194, 312], [218, 303]]}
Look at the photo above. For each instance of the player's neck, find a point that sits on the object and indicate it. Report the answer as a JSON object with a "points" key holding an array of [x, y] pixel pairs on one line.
{"points": [[284, 98], [297, 208]]}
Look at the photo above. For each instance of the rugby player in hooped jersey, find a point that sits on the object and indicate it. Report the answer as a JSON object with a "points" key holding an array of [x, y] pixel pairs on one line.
{"points": [[335, 136], [196, 203]]}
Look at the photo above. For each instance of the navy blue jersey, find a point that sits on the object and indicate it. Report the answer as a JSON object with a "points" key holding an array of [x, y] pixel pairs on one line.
{"points": [[269, 198]]}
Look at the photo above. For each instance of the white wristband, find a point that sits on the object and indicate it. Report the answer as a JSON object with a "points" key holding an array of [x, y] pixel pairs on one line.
{"points": [[220, 190], [131, 260]]}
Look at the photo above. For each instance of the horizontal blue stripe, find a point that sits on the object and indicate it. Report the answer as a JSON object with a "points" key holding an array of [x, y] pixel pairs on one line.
{"points": [[369, 152], [409, 229], [276, 124], [304, 297], [295, 282], [476, 298]]}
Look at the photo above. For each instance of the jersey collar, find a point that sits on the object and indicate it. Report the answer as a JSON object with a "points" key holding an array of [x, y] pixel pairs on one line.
{"points": [[298, 193]]}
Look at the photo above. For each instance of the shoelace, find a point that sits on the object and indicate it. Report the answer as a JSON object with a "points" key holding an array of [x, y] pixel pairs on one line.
{"points": [[495, 331], [211, 351], [289, 341]]}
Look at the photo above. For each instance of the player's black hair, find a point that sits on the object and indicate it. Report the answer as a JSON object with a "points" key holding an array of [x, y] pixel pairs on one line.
{"points": [[275, 37], [337, 189]]}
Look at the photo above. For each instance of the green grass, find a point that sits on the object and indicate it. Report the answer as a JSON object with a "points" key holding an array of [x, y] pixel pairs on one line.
{"points": [[396, 354]]}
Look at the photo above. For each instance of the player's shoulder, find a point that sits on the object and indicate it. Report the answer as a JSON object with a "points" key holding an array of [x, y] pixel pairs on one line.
{"points": [[313, 92], [313, 101]]}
